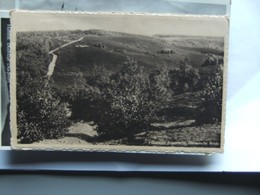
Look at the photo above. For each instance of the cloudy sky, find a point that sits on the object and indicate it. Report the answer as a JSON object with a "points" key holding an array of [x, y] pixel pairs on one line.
{"points": [[136, 24]]}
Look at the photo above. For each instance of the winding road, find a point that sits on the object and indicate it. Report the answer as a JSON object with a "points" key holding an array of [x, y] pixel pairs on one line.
{"points": [[54, 57]]}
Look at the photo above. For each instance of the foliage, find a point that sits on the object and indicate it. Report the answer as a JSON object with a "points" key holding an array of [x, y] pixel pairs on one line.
{"points": [[184, 79], [40, 113], [85, 103], [132, 101], [84, 96], [98, 77], [121, 101], [159, 88], [209, 110]]}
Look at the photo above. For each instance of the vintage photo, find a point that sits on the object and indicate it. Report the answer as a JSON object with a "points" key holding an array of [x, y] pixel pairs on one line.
{"points": [[118, 82]]}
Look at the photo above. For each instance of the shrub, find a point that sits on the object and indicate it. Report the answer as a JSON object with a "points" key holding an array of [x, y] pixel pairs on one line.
{"points": [[99, 77], [210, 107], [40, 115], [131, 102], [40, 112], [86, 104], [85, 95], [185, 78]]}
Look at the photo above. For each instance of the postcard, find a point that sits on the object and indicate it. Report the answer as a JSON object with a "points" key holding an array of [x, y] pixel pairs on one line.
{"points": [[118, 82]]}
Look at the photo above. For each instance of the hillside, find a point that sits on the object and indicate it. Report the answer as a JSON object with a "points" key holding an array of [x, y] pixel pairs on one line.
{"points": [[111, 49], [122, 88]]}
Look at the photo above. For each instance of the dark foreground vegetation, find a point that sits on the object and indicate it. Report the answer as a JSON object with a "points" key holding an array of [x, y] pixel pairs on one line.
{"points": [[124, 103]]}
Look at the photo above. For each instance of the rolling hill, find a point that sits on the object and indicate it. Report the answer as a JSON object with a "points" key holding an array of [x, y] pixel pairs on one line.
{"points": [[111, 49]]}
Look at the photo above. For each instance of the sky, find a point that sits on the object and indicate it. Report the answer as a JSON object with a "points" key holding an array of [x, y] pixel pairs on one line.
{"points": [[135, 24]]}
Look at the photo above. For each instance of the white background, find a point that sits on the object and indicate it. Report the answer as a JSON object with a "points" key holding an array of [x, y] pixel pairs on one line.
{"points": [[242, 139]]}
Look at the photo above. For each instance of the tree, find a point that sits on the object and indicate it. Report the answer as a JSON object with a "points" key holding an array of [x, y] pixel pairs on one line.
{"points": [[159, 89], [40, 115], [99, 77], [40, 112], [184, 79], [209, 110], [85, 103], [132, 101]]}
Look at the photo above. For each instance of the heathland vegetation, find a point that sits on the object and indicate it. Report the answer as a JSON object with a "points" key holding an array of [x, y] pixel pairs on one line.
{"points": [[123, 83]]}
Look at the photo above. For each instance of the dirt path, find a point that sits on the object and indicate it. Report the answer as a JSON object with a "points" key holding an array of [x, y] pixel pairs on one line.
{"points": [[78, 133], [169, 134], [54, 56]]}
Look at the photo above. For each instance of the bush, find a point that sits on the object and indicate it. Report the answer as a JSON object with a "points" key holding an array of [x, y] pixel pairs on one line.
{"points": [[131, 102], [184, 79], [98, 77], [40, 112], [86, 104], [210, 107], [40, 115], [85, 96]]}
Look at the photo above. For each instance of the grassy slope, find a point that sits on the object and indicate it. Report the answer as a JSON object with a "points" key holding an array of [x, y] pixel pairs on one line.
{"points": [[118, 46], [72, 60]]}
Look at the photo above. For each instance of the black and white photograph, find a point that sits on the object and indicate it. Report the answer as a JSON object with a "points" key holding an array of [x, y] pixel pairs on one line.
{"points": [[118, 82]]}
